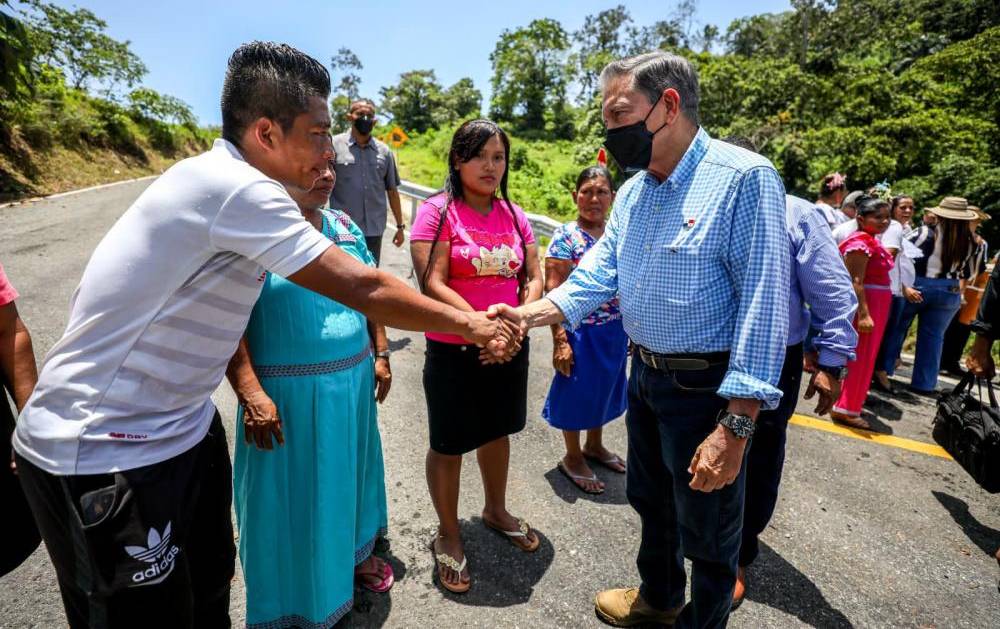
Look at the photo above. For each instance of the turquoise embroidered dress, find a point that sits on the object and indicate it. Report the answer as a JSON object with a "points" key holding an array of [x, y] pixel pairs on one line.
{"points": [[309, 511]]}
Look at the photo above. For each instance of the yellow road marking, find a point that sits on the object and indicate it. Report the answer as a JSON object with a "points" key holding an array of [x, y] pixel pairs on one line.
{"points": [[867, 435]]}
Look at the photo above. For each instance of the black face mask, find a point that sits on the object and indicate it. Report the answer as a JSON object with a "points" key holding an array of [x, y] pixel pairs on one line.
{"points": [[631, 146], [364, 124]]}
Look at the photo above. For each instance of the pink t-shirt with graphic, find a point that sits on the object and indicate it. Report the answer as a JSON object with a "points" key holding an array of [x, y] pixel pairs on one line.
{"points": [[486, 253], [7, 292]]}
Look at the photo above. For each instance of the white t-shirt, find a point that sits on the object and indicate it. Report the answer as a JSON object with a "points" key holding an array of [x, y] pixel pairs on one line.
{"points": [[892, 238], [158, 314], [842, 231]]}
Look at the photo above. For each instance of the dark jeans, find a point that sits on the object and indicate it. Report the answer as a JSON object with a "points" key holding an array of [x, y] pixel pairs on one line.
{"points": [[766, 457], [147, 547], [941, 301], [375, 246], [885, 362], [669, 414]]}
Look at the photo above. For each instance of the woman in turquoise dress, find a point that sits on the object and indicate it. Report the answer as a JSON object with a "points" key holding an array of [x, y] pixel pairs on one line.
{"points": [[309, 510]]}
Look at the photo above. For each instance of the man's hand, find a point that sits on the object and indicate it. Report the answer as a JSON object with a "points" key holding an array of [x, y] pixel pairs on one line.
{"points": [[399, 238], [717, 461], [492, 333], [980, 359], [511, 314], [562, 357], [261, 421], [383, 379], [828, 388]]}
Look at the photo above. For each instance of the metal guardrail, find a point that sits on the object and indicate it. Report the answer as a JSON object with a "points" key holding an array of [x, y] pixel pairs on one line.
{"points": [[415, 194]]}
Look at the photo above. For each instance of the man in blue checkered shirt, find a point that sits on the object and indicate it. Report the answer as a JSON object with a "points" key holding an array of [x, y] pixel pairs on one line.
{"points": [[697, 252]]}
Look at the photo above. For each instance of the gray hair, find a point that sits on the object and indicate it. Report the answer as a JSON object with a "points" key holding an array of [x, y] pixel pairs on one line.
{"points": [[361, 101], [653, 72]]}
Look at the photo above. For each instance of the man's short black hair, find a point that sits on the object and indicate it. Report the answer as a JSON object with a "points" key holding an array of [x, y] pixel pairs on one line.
{"points": [[269, 80]]}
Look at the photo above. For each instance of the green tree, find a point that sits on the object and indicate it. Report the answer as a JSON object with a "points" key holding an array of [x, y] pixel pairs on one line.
{"points": [[77, 42], [462, 101], [602, 39], [15, 61], [414, 101], [529, 75], [685, 18], [661, 35], [708, 37], [150, 104], [346, 67], [757, 35]]}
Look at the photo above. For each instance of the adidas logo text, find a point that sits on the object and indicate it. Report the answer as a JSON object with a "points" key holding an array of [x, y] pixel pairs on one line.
{"points": [[159, 553]]}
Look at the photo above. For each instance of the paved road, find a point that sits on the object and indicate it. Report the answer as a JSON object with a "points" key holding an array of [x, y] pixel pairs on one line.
{"points": [[864, 535]]}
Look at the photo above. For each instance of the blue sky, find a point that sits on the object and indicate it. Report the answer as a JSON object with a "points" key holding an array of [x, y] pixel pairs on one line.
{"points": [[185, 43]]}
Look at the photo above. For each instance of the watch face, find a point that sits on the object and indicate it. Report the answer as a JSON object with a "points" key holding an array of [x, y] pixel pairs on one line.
{"points": [[741, 425]]}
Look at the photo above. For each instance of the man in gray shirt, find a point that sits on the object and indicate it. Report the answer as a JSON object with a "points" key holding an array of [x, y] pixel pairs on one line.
{"points": [[366, 175]]}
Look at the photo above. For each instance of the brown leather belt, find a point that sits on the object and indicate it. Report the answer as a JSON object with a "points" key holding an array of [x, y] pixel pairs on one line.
{"points": [[680, 362]]}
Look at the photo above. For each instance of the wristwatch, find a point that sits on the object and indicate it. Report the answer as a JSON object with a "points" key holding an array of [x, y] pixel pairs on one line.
{"points": [[741, 425], [400, 226], [838, 373], [383, 354]]}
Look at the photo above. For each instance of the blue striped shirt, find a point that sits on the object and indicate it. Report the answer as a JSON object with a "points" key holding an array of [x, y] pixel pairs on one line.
{"points": [[820, 279], [700, 263]]}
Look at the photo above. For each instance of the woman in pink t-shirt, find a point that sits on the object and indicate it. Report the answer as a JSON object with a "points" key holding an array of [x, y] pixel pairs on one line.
{"points": [[868, 264], [472, 249]]}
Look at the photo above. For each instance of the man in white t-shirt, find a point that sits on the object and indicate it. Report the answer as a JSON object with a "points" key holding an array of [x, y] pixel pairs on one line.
{"points": [[120, 450]]}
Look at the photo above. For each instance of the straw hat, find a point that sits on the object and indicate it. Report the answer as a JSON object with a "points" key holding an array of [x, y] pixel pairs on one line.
{"points": [[852, 198], [983, 216], [955, 208]]}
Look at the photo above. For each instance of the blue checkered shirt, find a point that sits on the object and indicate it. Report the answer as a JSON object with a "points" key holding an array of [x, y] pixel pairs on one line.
{"points": [[819, 279], [700, 263]]}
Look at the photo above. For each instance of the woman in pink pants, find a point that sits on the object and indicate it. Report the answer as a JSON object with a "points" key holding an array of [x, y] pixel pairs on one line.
{"points": [[868, 263]]}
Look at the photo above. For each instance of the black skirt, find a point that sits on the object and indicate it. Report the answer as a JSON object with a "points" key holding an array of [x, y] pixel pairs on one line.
{"points": [[21, 536], [470, 404]]}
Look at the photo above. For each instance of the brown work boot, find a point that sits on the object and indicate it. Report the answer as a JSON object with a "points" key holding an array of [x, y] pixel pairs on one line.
{"points": [[625, 608], [740, 591]]}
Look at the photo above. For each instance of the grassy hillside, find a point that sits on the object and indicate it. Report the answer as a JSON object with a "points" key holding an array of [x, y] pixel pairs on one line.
{"points": [[542, 172], [64, 138], [26, 172]]}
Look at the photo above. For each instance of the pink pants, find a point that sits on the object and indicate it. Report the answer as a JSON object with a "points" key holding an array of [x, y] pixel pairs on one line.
{"points": [[859, 370]]}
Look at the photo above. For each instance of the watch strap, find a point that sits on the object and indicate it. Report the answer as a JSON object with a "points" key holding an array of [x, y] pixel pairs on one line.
{"points": [[837, 372]]}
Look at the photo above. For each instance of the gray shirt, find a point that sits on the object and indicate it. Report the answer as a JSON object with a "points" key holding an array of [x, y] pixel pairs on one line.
{"points": [[364, 173]]}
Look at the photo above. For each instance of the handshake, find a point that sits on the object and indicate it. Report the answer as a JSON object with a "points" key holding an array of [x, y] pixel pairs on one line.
{"points": [[500, 332]]}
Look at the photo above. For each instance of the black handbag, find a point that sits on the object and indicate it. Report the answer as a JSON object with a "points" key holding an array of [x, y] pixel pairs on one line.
{"points": [[969, 430]]}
